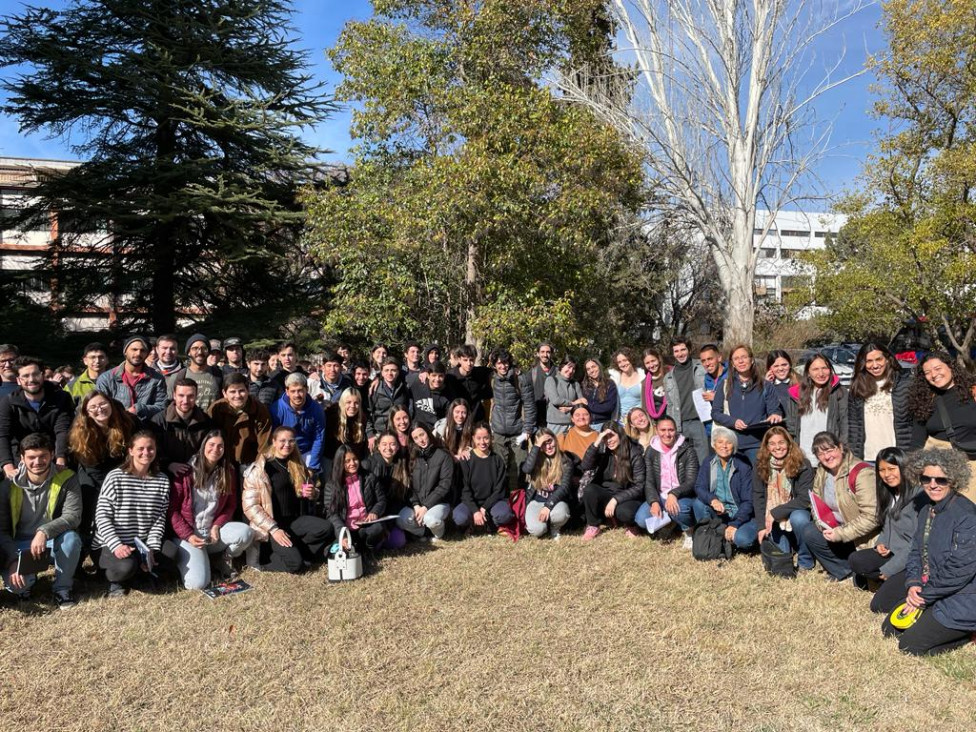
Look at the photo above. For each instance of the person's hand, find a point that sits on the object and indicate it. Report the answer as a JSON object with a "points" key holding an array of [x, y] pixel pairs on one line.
{"points": [[479, 517], [604, 436], [61, 463], [307, 490], [418, 514], [281, 537], [371, 441], [656, 510], [38, 544], [346, 543], [10, 470], [132, 409], [882, 577], [581, 400], [769, 523], [544, 514], [708, 395], [740, 425], [770, 376], [611, 507], [882, 550], [829, 535], [775, 418], [464, 454], [370, 517], [914, 598], [196, 541], [374, 385], [717, 506], [214, 534], [671, 505], [17, 580], [761, 535], [122, 551], [564, 409], [541, 440], [729, 533]]}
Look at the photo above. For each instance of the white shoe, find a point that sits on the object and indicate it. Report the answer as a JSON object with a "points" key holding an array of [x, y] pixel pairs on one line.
{"points": [[554, 534], [688, 542]]}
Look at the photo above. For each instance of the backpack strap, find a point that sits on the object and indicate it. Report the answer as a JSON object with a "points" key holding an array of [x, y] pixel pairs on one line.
{"points": [[852, 476]]}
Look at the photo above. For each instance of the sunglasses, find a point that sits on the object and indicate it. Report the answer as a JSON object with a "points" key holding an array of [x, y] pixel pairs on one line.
{"points": [[939, 480]]}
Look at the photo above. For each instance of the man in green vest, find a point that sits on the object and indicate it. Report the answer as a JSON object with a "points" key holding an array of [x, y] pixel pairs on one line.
{"points": [[40, 509]]}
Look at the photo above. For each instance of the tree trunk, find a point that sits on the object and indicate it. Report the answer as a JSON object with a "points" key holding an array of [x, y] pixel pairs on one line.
{"points": [[472, 282], [163, 240]]}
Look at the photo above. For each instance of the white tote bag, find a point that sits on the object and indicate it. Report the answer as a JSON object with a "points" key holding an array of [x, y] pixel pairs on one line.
{"points": [[345, 566]]}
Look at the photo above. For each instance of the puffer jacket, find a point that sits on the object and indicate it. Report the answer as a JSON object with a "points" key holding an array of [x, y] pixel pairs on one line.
{"points": [[858, 508], [904, 425], [513, 404], [432, 478], [336, 500], [560, 392], [686, 464], [837, 411], [256, 500], [603, 462], [381, 403]]}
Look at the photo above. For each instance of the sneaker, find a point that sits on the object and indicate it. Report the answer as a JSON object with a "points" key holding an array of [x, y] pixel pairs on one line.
{"points": [[688, 542], [591, 533], [554, 534], [436, 539], [64, 600], [116, 590], [253, 557], [632, 533], [223, 568]]}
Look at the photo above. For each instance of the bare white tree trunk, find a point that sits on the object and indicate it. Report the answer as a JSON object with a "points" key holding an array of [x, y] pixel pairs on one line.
{"points": [[715, 94]]}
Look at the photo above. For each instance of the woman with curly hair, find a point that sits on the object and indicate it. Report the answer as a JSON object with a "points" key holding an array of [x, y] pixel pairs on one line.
{"points": [[98, 440], [877, 414], [600, 393], [781, 483], [943, 405], [940, 574]]}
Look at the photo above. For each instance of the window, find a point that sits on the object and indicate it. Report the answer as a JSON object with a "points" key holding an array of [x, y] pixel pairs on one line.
{"points": [[788, 232]]}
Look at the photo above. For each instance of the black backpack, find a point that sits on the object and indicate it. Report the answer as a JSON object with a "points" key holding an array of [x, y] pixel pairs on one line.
{"points": [[708, 542], [775, 561]]}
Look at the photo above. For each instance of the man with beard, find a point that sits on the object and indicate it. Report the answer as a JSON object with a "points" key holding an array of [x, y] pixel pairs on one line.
{"points": [[209, 378], [180, 427], [543, 369], [245, 422], [167, 361], [38, 406], [140, 389]]}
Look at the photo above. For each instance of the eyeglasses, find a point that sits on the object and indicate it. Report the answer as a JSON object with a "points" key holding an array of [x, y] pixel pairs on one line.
{"points": [[939, 480], [823, 451]]}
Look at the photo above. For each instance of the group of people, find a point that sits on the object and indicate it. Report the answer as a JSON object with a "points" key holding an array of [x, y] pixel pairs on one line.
{"points": [[264, 459]]}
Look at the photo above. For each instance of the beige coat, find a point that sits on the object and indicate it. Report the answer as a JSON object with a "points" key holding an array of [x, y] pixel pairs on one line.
{"points": [[858, 508]]}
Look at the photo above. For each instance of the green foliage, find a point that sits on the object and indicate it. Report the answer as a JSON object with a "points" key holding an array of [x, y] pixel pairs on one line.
{"points": [[481, 207], [909, 248], [189, 114]]}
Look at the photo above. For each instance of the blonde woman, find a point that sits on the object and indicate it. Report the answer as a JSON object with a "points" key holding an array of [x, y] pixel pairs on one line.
{"points": [[550, 476], [277, 500]]}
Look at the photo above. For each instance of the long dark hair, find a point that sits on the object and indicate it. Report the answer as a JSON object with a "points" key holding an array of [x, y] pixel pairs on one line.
{"points": [[600, 384], [772, 356], [400, 475], [127, 466], [807, 387], [863, 385], [221, 471], [456, 439], [340, 501], [921, 396], [892, 501], [623, 471]]}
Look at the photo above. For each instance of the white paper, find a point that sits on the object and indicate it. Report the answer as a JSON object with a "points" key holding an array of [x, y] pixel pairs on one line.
{"points": [[703, 408], [654, 524]]}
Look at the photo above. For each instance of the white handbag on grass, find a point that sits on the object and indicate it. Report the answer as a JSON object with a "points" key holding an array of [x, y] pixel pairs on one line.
{"points": [[345, 566]]}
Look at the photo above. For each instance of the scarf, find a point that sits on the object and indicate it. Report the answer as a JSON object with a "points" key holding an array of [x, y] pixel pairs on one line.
{"points": [[779, 489]]}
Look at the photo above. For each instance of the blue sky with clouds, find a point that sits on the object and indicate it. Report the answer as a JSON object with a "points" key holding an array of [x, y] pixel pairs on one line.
{"points": [[319, 22]]}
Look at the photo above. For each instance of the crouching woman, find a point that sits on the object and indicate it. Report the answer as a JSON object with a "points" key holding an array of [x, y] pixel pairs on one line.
{"points": [[724, 489]]}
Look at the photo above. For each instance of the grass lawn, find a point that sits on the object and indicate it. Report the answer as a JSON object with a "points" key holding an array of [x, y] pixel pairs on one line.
{"points": [[478, 635]]}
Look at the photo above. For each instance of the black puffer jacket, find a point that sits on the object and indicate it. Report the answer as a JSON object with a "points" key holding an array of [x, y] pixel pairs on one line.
{"points": [[432, 478], [336, 500], [686, 462], [603, 463], [513, 405], [381, 403], [904, 425]]}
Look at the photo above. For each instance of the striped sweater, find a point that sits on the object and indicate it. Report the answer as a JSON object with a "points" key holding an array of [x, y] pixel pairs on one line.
{"points": [[130, 507]]}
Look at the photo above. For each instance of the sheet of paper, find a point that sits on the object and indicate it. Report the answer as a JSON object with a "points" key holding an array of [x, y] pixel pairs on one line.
{"points": [[703, 408], [654, 524]]}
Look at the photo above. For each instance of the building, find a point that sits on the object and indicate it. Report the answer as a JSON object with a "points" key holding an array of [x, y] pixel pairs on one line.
{"points": [[790, 233]]}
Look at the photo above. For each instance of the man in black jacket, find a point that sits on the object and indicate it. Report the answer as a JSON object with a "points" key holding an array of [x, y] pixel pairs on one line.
{"points": [[259, 383], [513, 418], [181, 427], [470, 381], [37, 406]]}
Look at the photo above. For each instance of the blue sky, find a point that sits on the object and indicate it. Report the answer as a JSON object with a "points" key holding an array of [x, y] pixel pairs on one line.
{"points": [[319, 22]]}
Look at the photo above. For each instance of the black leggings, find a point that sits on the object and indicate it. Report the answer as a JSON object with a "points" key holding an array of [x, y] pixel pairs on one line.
{"points": [[927, 637], [595, 500], [310, 536], [867, 563]]}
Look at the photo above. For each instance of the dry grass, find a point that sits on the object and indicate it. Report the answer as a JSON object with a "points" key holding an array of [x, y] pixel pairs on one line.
{"points": [[482, 634]]}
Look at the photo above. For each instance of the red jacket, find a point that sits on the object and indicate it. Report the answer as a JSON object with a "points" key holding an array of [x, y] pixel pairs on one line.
{"points": [[181, 516]]}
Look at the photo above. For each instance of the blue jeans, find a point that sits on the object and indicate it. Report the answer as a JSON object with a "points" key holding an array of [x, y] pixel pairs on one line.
{"points": [[685, 518], [832, 554], [793, 540], [745, 535], [65, 553]]}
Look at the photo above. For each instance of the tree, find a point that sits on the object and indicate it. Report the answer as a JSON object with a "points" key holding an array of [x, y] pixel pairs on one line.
{"points": [[720, 110], [480, 207], [908, 250], [189, 114]]}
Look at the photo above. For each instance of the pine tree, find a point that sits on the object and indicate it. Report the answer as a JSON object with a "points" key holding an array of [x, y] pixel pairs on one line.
{"points": [[187, 114]]}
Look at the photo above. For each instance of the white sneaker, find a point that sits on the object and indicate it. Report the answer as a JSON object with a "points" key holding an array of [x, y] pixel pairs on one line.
{"points": [[555, 535], [688, 542]]}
